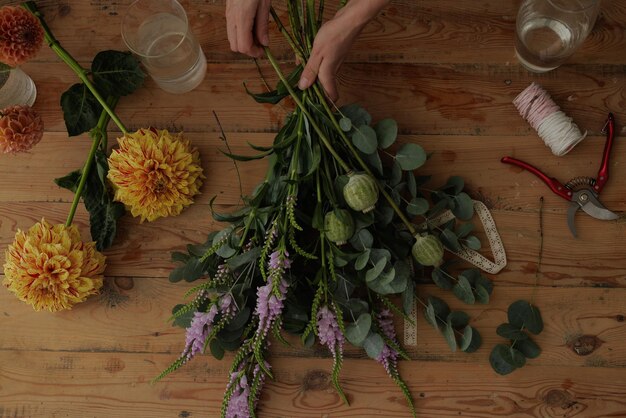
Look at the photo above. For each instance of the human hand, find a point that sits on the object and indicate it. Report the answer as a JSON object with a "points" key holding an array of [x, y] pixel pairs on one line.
{"points": [[333, 42], [247, 26]]}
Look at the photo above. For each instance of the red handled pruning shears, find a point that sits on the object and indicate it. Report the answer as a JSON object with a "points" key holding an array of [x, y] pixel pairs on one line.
{"points": [[582, 192]]}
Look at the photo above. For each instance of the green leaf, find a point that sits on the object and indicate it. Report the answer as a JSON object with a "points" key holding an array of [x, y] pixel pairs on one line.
{"points": [[374, 162], [523, 315], [103, 222], [408, 298], [448, 333], [463, 207], [458, 319], [417, 206], [411, 157], [386, 132], [292, 80], [501, 359], [184, 320], [81, 110], [362, 240], [436, 310], [373, 273], [116, 73], [411, 184], [373, 345], [512, 333], [518, 358], [244, 258], [471, 340], [364, 138], [238, 157], [239, 320], [528, 348], [472, 242], [442, 279], [345, 124], [357, 114], [4, 68], [362, 260], [463, 290], [359, 330], [431, 318]]}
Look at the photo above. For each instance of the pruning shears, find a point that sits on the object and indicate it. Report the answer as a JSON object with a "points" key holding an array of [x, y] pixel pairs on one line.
{"points": [[581, 192]]}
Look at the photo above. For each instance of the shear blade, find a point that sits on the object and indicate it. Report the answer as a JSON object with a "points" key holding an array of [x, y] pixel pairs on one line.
{"points": [[571, 215], [596, 210]]}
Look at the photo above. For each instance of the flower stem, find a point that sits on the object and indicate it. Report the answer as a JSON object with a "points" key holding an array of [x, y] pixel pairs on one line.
{"points": [[97, 134], [304, 110], [65, 56]]}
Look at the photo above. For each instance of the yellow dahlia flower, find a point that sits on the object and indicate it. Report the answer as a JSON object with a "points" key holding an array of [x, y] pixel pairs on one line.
{"points": [[155, 173], [50, 267]]}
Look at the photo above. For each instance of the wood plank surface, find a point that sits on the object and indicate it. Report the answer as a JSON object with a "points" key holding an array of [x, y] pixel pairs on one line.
{"points": [[446, 71]]}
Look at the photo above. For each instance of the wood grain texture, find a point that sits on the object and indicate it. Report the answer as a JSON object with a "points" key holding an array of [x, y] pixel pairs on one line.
{"points": [[446, 71]]}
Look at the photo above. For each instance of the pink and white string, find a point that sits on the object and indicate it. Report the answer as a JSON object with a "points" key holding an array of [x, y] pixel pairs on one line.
{"points": [[556, 129]]}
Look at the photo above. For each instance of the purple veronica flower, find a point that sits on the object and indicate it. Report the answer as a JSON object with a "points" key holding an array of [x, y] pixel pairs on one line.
{"points": [[388, 357], [199, 330], [328, 331], [271, 296], [238, 403]]}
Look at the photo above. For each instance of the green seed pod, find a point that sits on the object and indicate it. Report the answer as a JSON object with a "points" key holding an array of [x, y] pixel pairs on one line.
{"points": [[428, 250], [339, 226], [361, 192]]}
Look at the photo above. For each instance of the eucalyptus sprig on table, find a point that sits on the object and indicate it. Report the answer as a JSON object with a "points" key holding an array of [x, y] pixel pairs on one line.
{"points": [[338, 230], [87, 107]]}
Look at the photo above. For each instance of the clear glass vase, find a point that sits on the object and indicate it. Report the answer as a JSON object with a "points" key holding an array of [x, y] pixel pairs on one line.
{"points": [[16, 88]]}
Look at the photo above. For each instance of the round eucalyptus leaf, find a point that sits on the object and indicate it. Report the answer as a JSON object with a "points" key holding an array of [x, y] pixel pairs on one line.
{"points": [[463, 290], [528, 348], [524, 315], [373, 345], [512, 333], [373, 273], [359, 330], [417, 206], [386, 132], [473, 242], [362, 260], [411, 157], [463, 207], [471, 340], [364, 138], [448, 333], [501, 359], [345, 124], [458, 319]]}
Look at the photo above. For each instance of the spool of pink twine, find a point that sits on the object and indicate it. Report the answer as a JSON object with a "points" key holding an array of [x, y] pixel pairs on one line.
{"points": [[557, 130]]}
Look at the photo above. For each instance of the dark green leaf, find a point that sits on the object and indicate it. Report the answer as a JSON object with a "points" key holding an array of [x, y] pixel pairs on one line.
{"points": [[362, 260], [217, 350], [518, 358], [472, 242], [359, 330], [455, 184], [70, 181], [244, 258], [103, 222], [272, 97], [512, 333], [364, 138], [408, 298], [450, 240], [237, 157], [523, 315], [81, 110], [362, 240], [482, 295], [411, 184], [417, 206], [528, 348], [357, 114], [384, 215], [373, 345], [292, 80], [463, 207], [501, 359], [374, 162], [458, 319], [410, 156], [116, 73], [463, 290], [239, 320], [386, 132], [464, 229]]}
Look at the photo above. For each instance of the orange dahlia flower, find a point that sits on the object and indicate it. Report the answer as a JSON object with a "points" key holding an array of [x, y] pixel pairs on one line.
{"points": [[21, 128], [21, 35], [50, 267], [155, 173]]}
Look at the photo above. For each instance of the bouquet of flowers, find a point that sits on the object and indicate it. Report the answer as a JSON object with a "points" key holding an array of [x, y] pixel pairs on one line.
{"points": [[326, 244]]}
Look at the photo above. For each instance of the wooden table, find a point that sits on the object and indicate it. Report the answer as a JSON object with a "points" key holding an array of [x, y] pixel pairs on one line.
{"points": [[446, 71]]}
